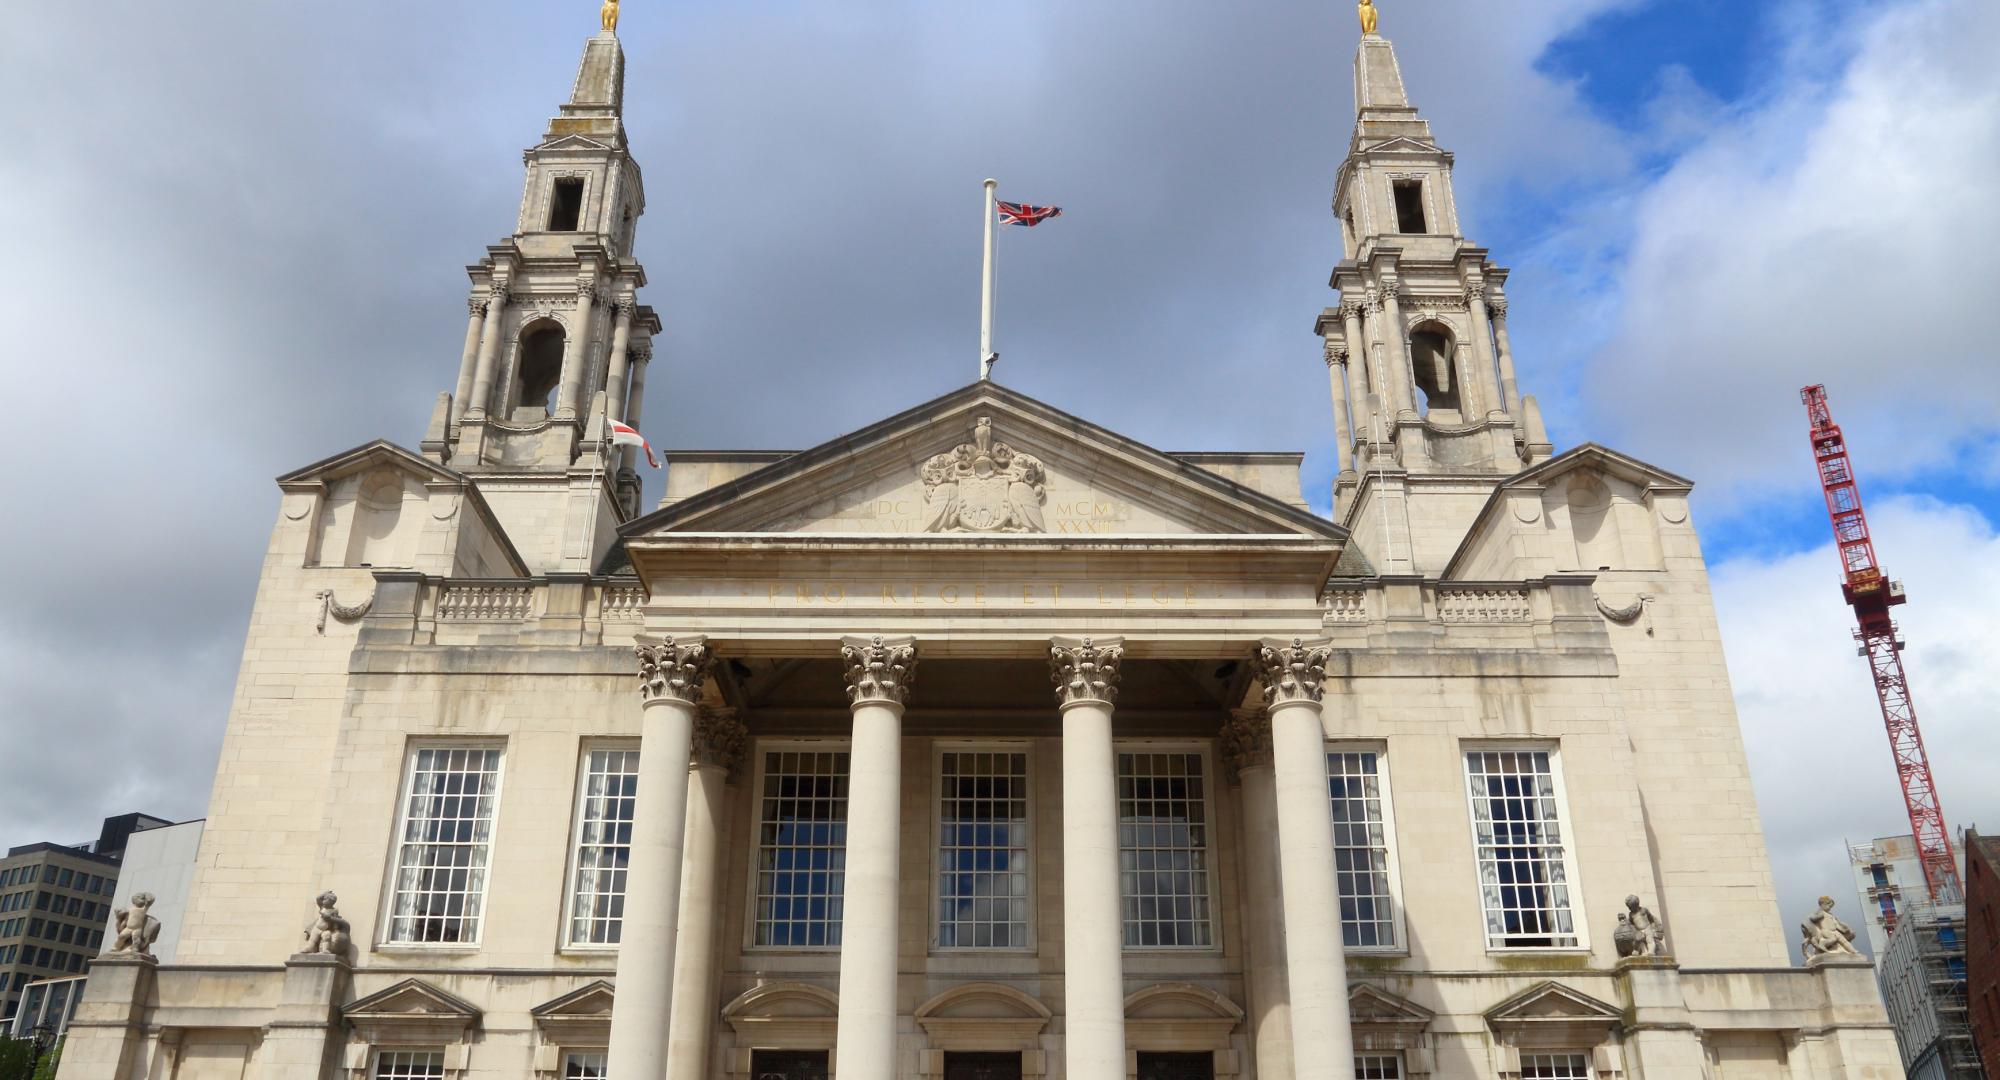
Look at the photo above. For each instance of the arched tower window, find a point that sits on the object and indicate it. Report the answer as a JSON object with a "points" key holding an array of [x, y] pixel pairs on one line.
{"points": [[1430, 364], [540, 367]]}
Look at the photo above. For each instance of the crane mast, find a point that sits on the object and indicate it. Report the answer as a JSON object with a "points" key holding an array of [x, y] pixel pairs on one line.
{"points": [[1871, 595]]}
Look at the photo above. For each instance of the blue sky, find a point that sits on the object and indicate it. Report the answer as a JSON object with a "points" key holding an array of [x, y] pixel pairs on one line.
{"points": [[251, 221]]}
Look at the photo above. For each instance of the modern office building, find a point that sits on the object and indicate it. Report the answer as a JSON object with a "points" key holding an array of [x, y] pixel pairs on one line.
{"points": [[54, 902]]}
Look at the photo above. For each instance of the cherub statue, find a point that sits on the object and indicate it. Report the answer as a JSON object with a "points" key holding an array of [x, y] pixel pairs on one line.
{"points": [[327, 933], [136, 929], [1825, 934], [1367, 16], [1640, 932], [608, 15]]}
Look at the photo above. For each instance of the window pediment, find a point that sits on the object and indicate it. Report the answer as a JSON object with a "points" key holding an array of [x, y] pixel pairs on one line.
{"points": [[411, 1013], [1553, 1015]]}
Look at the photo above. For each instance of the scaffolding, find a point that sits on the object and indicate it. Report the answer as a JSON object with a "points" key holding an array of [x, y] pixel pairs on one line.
{"points": [[1922, 974]]}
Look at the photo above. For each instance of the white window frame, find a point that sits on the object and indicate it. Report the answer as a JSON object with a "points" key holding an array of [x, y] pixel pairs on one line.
{"points": [[1398, 924], [395, 853], [1394, 1058], [566, 934], [1205, 752], [1589, 1067], [1564, 818], [939, 749], [568, 1052], [375, 1059], [759, 749]]}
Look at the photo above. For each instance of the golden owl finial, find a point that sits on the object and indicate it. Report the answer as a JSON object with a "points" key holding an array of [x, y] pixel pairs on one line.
{"points": [[608, 15], [1367, 11]]}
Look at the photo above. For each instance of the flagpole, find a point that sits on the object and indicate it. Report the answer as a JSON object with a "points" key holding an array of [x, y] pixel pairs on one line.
{"points": [[986, 356]]}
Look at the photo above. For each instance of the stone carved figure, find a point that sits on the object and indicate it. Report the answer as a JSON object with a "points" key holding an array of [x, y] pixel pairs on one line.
{"points": [[327, 934], [608, 15], [1825, 935], [137, 930], [1368, 13], [984, 486], [1640, 932]]}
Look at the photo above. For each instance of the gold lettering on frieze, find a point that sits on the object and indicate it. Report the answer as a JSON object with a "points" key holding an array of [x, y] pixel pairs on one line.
{"points": [[915, 594]]}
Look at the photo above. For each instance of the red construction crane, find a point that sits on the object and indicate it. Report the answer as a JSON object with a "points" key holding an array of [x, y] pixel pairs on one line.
{"points": [[1871, 595]]}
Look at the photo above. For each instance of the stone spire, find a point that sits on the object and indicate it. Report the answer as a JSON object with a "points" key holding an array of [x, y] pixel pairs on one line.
{"points": [[556, 340], [1422, 376]]}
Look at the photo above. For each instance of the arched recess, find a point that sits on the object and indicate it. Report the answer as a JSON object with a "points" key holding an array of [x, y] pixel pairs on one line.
{"points": [[1592, 522], [781, 1016], [538, 364], [1433, 352], [984, 1017], [375, 539], [1182, 1018]]}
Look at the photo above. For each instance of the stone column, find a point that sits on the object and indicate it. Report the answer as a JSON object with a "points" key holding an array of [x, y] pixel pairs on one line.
{"points": [[468, 359], [1351, 319], [1396, 340], [1086, 679], [671, 674], [1315, 960], [1509, 390], [1246, 749], [716, 752], [642, 355], [576, 349], [621, 337], [1482, 349], [879, 673], [1336, 374], [489, 352]]}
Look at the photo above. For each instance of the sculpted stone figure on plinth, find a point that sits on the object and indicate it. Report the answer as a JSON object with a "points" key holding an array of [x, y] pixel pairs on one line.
{"points": [[327, 934], [136, 930], [1825, 934], [1639, 932]]}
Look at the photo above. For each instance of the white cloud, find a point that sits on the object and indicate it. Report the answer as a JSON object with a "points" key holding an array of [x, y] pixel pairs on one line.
{"points": [[1818, 752], [1837, 231]]}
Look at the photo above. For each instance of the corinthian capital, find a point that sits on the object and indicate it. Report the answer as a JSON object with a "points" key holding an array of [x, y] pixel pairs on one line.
{"points": [[1246, 740], [475, 305], [1085, 669], [586, 288], [626, 306], [1336, 354], [672, 669], [496, 296], [719, 738], [1497, 307], [1351, 309], [1390, 289], [1293, 671], [879, 670], [1475, 291]]}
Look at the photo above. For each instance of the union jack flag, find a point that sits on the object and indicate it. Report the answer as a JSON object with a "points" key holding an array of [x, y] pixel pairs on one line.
{"points": [[1013, 213]]}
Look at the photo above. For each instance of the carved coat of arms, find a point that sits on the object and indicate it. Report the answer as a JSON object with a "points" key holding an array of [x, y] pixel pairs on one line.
{"points": [[984, 486]]}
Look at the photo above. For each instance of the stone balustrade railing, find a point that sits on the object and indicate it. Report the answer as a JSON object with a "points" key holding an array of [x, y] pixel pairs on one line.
{"points": [[460, 601], [414, 609], [1517, 608]]}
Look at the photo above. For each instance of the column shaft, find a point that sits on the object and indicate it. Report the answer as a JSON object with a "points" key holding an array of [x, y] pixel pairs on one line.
{"points": [[1396, 342], [1315, 960], [694, 1014], [576, 353], [671, 675], [489, 353], [1093, 922], [865, 1034], [634, 403], [1368, 391], [1264, 925], [1482, 354], [621, 337], [1343, 442], [468, 359], [1508, 387]]}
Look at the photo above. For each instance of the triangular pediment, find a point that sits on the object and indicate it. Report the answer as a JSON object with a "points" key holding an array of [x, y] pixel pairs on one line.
{"points": [[987, 461], [593, 1000], [574, 142], [1589, 458], [1368, 1004], [1550, 1002], [412, 999], [1401, 145], [371, 455]]}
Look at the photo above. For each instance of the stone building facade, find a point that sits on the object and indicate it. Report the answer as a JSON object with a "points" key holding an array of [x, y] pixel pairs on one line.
{"points": [[983, 742]]}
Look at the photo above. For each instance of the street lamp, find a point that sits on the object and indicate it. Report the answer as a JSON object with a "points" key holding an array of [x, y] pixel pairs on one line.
{"points": [[44, 1036]]}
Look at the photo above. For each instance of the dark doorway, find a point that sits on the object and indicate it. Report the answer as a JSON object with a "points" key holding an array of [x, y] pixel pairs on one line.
{"points": [[788, 1065], [1176, 1066], [958, 1066]]}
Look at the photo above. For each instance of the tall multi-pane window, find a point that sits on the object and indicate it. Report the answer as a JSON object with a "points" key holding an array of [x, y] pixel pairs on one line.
{"points": [[801, 848], [444, 844], [1361, 849], [606, 791], [409, 1064], [585, 1065], [1524, 874], [982, 850], [1163, 849], [1555, 1067], [1378, 1067]]}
